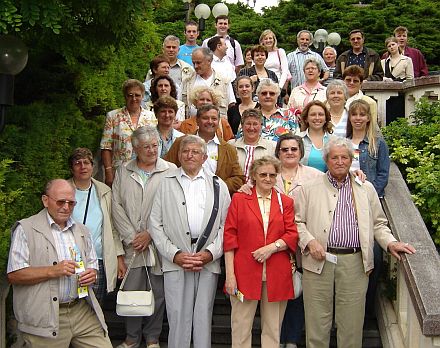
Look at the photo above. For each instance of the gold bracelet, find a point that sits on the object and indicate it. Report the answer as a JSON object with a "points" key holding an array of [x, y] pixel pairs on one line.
{"points": [[106, 168]]}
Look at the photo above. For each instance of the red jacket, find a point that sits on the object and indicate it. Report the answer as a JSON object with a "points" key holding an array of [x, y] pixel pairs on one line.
{"points": [[244, 233]]}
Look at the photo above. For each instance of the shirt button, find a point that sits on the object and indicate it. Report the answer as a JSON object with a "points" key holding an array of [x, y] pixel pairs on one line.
{"points": [[54, 299], [183, 203], [334, 195], [54, 333], [187, 233], [54, 263]]}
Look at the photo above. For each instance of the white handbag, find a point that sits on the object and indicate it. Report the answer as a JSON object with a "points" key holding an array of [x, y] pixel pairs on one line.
{"points": [[134, 303]]}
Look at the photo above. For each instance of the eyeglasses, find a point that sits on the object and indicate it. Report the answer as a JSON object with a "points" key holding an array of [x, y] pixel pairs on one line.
{"points": [[61, 202], [84, 162], [150, 147], [188, 152], [265, 175], [271, 93], [287, 149], [134, 95]]}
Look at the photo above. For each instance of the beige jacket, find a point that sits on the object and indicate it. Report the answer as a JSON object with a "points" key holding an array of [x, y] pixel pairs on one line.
{"points": [[111, 244], [131, 207], [403, 68], [314, 207], [36, 307]]}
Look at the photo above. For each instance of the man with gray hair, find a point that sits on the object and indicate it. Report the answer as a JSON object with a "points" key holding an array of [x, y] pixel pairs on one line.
{"points": [[204, 75], [179, 69], [337, 247], [296, 59], [186, 223]]}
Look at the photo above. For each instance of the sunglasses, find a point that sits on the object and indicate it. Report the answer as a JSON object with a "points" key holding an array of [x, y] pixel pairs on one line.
{"points": [[61, 202], [287, 149], [265, 175]]}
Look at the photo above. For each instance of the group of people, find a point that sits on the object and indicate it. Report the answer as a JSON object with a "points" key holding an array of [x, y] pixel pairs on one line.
{"points": [[204, 161]]}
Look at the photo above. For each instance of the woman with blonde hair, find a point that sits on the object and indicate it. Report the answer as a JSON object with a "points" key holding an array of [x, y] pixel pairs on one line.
{"points": [[277, 59]]}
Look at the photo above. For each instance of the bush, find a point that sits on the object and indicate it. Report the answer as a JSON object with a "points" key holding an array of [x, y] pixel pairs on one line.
{"points": [[415, 148]]}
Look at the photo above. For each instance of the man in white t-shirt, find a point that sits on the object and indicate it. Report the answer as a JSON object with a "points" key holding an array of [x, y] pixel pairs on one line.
{"points": [[220, 61]]}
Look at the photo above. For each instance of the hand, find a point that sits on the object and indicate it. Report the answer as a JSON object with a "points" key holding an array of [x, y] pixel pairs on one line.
{"points": [[387, 79], [109, 177], [188, 262], [262, 254], [122, 268], [88, 277], [316, 250], [65, 268], [205, 256], [231, 284], [254, 78], [141, 241], [360, 174], [399, 247], [246, 188]]}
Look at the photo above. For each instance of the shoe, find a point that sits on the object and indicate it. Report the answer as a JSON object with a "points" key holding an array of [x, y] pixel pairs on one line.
{"points": [[291, 345], [125, 345], [153, 345]]}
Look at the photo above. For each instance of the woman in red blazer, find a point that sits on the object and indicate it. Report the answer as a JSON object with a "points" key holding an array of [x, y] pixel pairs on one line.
{"points": [[259, 234]]}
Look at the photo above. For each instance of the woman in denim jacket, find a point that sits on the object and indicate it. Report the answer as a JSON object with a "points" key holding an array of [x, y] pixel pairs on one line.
{"points": [[371, 151]]}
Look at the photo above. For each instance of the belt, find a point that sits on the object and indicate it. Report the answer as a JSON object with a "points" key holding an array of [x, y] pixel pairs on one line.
{"points": [[340, 250], [194, 240], [70, 304]]}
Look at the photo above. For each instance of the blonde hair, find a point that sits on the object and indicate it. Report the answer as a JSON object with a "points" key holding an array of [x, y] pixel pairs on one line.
{"points": [[199, 90], [268, 32], [371, 131]]}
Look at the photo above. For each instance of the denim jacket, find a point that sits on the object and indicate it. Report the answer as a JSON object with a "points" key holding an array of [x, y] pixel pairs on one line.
{"points": [[377, 168]]}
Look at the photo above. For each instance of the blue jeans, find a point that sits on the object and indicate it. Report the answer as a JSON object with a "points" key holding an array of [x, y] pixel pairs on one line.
{"points": [[293, 323]]}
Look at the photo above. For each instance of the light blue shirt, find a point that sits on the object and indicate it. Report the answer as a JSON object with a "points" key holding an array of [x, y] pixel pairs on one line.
{"points": [[316, 160], [185, 53]]}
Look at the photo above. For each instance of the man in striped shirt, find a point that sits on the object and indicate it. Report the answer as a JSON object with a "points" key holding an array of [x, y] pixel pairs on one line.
{"points": [[338, 219], [296, 59]]}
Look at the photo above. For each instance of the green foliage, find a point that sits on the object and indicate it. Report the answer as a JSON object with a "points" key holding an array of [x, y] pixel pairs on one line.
{"points": [[8, 197], [416, 150]]}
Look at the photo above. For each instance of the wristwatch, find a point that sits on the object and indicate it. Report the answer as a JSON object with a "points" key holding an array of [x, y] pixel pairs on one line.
{"points": [[278, 245]]}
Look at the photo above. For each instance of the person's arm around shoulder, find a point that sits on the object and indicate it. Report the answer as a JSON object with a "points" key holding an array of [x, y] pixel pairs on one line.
{"points": [[173, 153]]}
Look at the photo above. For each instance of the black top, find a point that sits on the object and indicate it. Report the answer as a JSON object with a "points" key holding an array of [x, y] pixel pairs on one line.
{"points": [[234, 116]]}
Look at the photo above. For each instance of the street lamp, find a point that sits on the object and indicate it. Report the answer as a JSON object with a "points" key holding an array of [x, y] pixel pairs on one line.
{"points": [[189, 5], [202, 12], [322, 37], [13, 59]]}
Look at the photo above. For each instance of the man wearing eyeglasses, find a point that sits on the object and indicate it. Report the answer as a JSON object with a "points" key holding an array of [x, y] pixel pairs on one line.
{"points": [[360, 55], [52, 267]]}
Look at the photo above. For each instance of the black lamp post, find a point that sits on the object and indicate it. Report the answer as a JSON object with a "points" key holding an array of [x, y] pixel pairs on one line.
{"points": [[13, 59]]}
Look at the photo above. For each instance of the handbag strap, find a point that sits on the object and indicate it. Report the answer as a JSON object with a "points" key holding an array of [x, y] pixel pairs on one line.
{"points": [[129, 267], [204, 237]]}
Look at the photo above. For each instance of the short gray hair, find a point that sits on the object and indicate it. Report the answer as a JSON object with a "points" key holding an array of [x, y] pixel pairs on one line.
{"points": [[263, 161], [337, 84], [304, 31], [171, 38], [146, 134], [313, 61], [336, 141], [207, 53], [330, 48], [193, 139], [268, 83]]}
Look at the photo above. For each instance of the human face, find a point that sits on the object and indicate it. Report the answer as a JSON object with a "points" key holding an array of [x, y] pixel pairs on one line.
{"points": [[133, 98], [251, 130], [147, 152], [202, 65], [353, 84], [222, 48], [191, 34], [60, 201], [170, 49], [259, 58], [329, 56], [336, 97], [162, 69], [208, 123], [82, 169], [244, 89], [166, 117], [316, 118], [265, 178], [359, 119], [268, 41], [303, 42], [222, 27], [393, 47], [203, 99], [311, 72], [267, 97], [248, 57], [163, 87], [338, 162], [191, 158], [402, 37], [357, 41], [289, 154]]}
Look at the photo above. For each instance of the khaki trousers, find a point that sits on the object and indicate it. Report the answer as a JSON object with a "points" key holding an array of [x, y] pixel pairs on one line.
{"points": [[242, 317], [347, 283], [79, 327]]}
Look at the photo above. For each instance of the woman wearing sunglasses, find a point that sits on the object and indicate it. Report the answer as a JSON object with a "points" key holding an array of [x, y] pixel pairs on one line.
{"points": [[258, 236]]}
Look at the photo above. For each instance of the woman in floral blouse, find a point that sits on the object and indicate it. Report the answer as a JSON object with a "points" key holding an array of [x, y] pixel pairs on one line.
{"points": [[116, 147]]}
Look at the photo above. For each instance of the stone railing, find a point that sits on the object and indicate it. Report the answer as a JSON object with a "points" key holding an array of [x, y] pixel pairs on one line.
{"points": [[413, 90], [413, 319], [4, 290]]}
